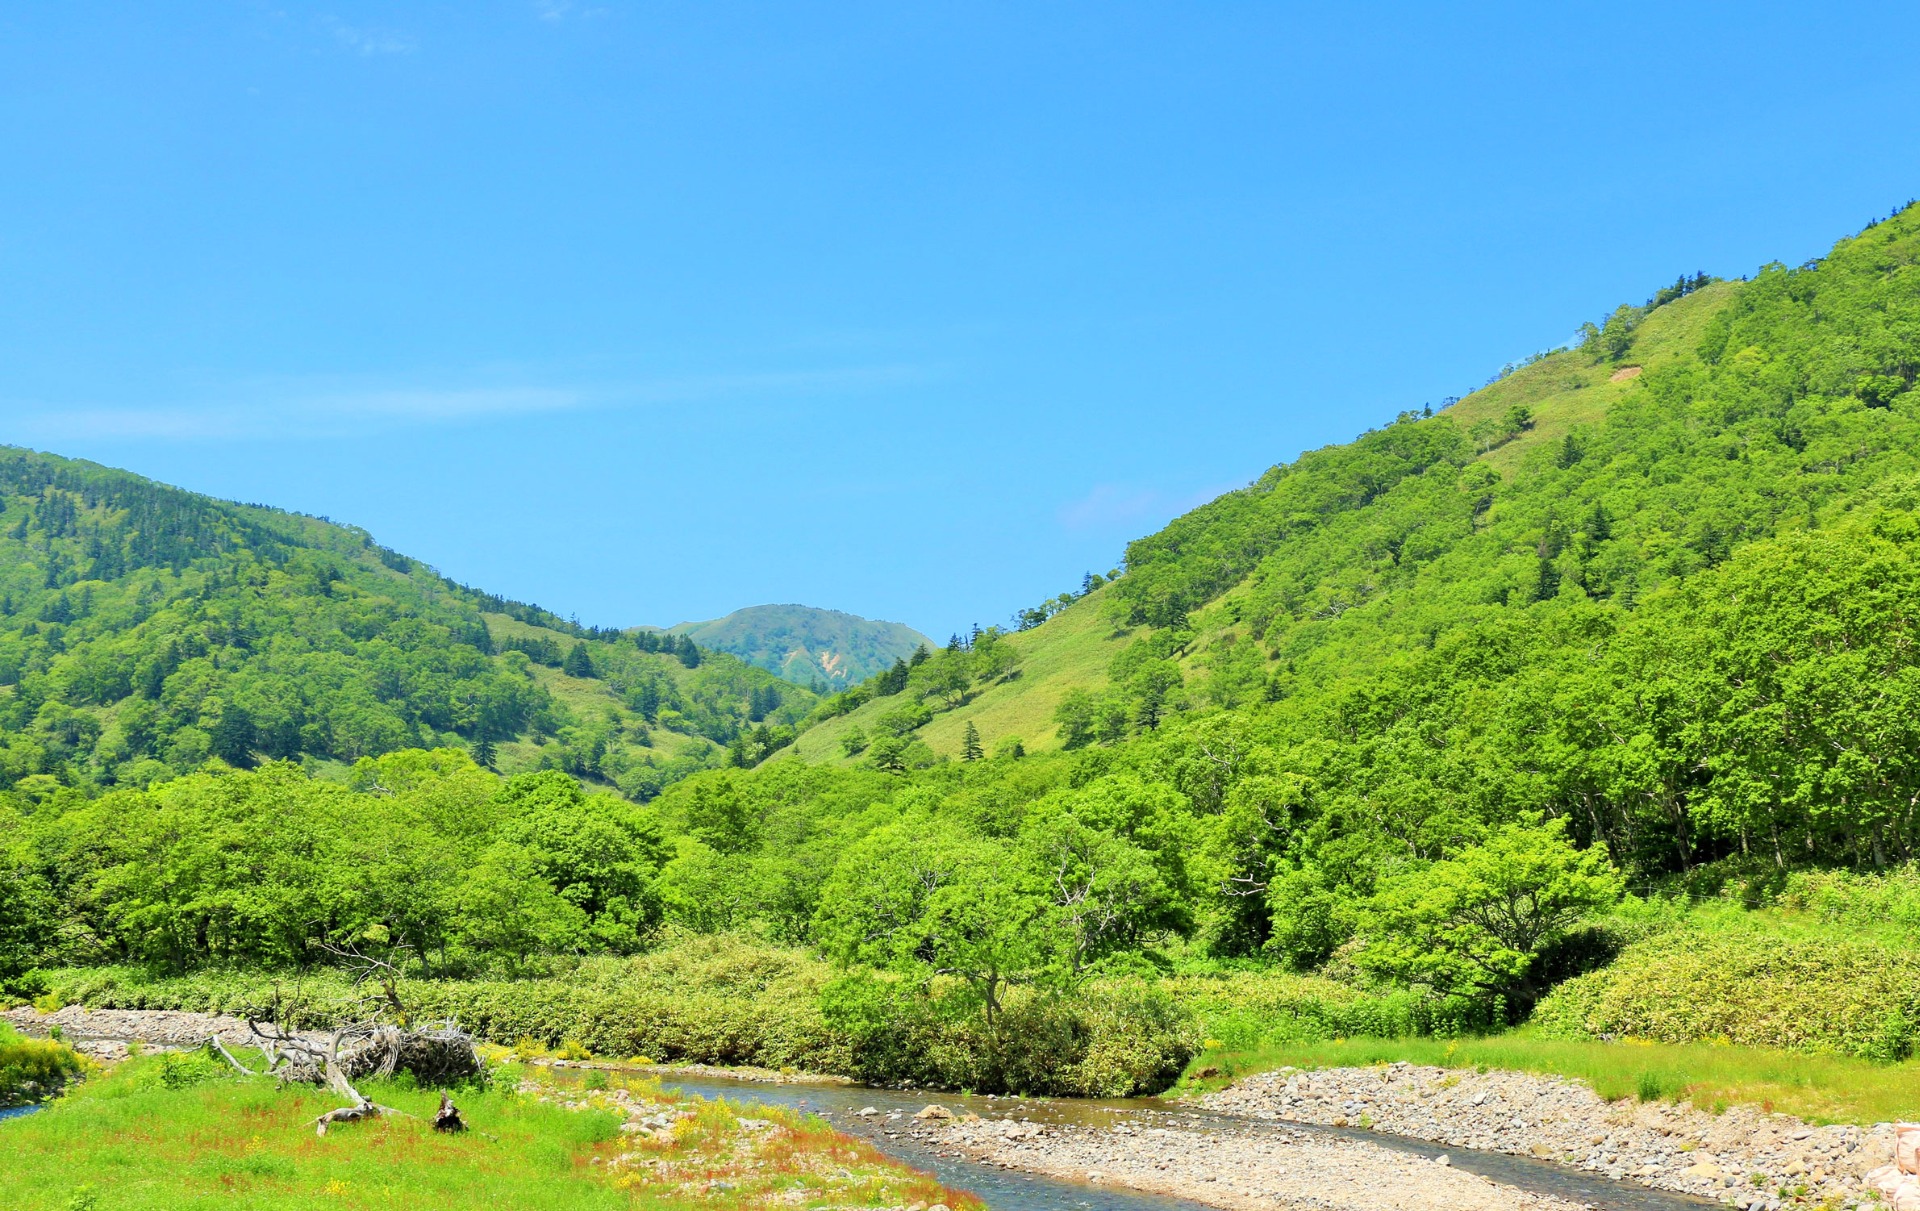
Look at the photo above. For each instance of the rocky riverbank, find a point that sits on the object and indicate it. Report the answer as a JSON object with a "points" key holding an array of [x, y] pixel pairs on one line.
{"points": [[1743, 1157], [1251, 1168], [104, 1034]]}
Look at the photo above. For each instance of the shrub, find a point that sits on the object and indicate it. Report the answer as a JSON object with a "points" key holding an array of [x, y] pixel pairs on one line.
{"points": [[1245, 1011], [1750, 988], [32, 1069], [728, 1000], [1115, 1039]]}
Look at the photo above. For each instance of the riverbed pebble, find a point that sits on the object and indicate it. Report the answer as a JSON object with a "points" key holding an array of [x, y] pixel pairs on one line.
{"points": [[1735, 1157], [1242, 1168]]}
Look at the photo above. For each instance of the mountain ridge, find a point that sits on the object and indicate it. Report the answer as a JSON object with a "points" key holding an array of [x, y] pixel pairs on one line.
{"points": [[145, 628], [805, 644]]}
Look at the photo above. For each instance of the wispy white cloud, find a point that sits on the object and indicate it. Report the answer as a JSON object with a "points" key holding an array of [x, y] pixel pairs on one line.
{"points": [[369, 41], [309, 410], [560, 10]]}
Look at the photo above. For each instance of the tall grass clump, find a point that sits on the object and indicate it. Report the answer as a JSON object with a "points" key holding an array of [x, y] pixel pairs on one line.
{"points": [[34, 1069], [1246, 1010]]}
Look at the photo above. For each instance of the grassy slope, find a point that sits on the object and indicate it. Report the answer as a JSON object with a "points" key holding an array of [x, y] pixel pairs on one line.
{"points": [[1074, 649], [1071, 649], [586, 698], [1564, 391]]}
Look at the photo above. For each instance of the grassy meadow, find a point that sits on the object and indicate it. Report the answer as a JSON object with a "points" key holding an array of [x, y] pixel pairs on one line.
{"points": [[179, 1132]]}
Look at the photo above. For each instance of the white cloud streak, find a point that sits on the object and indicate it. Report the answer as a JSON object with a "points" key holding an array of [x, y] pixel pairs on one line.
{"points": [[371, 42], [303, 411]]}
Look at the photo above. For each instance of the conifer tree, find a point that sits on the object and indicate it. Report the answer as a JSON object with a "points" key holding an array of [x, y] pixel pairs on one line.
{"points": [[482, 751], [232, 736], [579, 662], [970, 749]]}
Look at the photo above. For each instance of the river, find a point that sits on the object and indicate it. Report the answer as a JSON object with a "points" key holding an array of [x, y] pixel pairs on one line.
{"points": [[1010, 1190]]}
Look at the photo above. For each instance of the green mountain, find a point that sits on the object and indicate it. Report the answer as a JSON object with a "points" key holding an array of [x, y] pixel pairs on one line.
{"points": [[805, 645], [144, 629], [1593, 480], [1661, 587], [1440, 721]]}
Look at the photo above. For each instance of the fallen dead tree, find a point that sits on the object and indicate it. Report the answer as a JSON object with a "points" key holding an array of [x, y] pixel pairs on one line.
{"points": [[437, 1054]]}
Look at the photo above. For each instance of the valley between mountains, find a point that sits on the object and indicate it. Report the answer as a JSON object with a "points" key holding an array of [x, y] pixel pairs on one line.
{"points": [[1559, 745]]}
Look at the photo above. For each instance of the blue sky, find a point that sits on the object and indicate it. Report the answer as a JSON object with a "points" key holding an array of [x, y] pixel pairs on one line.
{"points": [[650, 311]]}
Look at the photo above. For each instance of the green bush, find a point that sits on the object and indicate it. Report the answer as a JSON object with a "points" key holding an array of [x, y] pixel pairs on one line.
{"points": [[1750, 988], [1115, 1039], [1245, 1011], [715, 1000], [33, 1069], [711, 1000], [1886, 902]]}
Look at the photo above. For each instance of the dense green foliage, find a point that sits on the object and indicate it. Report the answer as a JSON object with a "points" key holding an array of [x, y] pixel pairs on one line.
{"points": [[431, 858], [727, 1000], [1414, 713], [145, 629], [1834, 966], [824, 649]]}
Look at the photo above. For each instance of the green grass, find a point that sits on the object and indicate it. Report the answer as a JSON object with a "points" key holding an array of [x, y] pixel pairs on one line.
{"points": [[166, 1132], [32, 1069], [130, 1141], [1070, 651], [1820, 1088], [1564, 391]]}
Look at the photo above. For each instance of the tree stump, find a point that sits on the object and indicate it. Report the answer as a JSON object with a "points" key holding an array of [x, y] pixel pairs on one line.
{"points": [[448, 1117]]}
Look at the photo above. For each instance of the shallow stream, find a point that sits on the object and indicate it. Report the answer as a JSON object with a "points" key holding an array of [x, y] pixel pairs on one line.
{"points": [[1011, 1190]]}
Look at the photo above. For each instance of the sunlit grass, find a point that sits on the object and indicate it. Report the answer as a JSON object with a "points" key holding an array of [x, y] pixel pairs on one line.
{"points": [[781, 1160], [128, 1140], [1071, 651], [1821, 1088]]}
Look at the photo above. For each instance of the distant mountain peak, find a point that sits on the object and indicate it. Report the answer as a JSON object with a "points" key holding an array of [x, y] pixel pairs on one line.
{"points": [[805, 644]]}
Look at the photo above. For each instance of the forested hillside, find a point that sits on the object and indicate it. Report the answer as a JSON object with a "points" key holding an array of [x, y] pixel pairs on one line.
{"points": [[1655, 592], [145, 629], [821, 649], [1416, 733]]}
